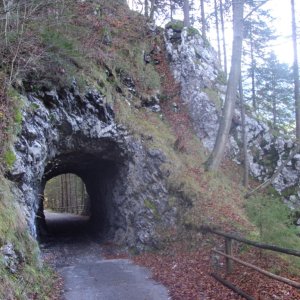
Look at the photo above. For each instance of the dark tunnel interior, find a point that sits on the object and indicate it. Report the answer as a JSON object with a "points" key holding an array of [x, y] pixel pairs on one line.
{"points": [[98, 176]]}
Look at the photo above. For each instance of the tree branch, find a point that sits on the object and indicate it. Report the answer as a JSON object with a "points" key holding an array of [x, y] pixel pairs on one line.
{"points": [[255, 9]]}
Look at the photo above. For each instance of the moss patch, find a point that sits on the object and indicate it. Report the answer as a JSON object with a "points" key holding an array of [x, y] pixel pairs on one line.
{"points": [[31, 281], [9, 158]]}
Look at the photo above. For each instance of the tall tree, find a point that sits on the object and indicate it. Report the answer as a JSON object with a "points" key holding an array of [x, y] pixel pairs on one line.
{"points": [[244, 136], [217, 28], [217, 154], [223, 37], [146, 8], [203, 19], [296, 71], [186, 12], [274, 92], [257, 33], [152, 10], [171, 10]]}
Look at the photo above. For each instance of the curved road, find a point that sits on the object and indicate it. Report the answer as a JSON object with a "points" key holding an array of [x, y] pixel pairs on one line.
{"points": [[88, 275]]}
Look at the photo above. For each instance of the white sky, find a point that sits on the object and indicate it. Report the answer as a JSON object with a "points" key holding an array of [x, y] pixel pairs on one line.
{"points": [[281, 11]]}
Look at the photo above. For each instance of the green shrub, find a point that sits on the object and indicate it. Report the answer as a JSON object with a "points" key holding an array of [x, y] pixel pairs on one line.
{"points": [[275, 223], [176, 25], [9, 158], [18, 117], [58, 42]]}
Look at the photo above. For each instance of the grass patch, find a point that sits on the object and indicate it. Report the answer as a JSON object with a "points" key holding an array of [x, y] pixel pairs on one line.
{"points": [[9, 158], [274, 224], [32, 280]]}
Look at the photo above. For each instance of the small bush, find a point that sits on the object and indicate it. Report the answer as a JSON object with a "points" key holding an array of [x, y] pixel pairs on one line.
{"points": [[9, 158], [275, 223]]}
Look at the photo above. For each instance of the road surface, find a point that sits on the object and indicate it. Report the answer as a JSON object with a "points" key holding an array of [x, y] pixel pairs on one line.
{"points": [[87, 274]]}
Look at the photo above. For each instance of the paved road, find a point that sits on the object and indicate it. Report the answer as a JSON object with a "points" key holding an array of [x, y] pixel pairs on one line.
{"points": [[87, 274]]}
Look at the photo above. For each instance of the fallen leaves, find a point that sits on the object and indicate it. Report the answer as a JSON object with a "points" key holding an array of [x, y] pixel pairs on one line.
{"points": [[186, 273]]}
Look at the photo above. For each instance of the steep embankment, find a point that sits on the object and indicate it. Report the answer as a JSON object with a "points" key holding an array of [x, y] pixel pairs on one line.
{"points": [[97, 98]]}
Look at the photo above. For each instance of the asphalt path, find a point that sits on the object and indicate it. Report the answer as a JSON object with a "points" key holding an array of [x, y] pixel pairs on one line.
{"points": [[86, 273]]}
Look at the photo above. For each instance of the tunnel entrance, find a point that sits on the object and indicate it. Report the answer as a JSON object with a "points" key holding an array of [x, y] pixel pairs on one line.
{"points": [[77, 196], [66, 193], [66, 207]]}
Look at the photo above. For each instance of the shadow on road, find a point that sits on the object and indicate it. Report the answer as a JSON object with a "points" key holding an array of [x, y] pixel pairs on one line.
{"points": [[78, 258]]}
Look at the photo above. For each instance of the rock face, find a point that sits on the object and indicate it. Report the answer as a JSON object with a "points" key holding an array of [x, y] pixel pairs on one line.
{"points": [[10, 258], [66, 132], [196, 67]]}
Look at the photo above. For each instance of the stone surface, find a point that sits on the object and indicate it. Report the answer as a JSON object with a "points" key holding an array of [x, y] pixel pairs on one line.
{"points": [[67, 132], [10, 258]]}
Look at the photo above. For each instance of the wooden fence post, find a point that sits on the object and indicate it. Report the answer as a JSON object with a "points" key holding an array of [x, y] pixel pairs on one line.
{"points": [[228, 251]]}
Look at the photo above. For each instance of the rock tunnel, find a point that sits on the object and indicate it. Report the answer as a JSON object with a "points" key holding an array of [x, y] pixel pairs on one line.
{"points": [[99, 177], [68, 132]]}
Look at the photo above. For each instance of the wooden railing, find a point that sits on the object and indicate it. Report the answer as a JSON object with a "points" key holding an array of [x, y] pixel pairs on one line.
{"points": [[229, 259]]}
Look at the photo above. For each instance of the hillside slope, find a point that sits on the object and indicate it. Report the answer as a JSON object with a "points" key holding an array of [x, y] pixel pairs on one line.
{"points": [[94, 91]]}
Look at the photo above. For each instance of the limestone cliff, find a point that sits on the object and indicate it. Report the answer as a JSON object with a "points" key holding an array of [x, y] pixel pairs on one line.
{"points": [[196, 67]]}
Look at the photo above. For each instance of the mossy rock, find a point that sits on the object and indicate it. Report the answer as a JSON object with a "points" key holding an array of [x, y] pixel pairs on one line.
{"points": [[193, 31], [9, 158], [152, 207], [178, 26], [291, 190]]}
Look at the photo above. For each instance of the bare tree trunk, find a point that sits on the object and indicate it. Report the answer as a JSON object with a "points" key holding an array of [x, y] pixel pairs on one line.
{"points": [[203, 20], [66, 192], [217, 154], [244, 136], [83, 204], [76, 193], [296, 71], [62, 203], [186, 12], [218, 30], [7, 14], [70, 192], [274, 102], [152, 10], [146, 8], [253, 91], [58, 192], [223, 37]]}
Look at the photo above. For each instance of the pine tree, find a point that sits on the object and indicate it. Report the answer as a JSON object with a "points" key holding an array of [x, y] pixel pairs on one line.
{"points": [[275, 92], [257, 35]]}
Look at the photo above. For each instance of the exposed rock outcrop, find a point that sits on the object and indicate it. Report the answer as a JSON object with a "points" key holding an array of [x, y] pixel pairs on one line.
{"points": [[66, 132], [196, 67]]}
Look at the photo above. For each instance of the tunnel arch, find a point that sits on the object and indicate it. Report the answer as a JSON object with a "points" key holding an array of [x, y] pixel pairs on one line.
{"points": [[73, 132], [99, 173]]}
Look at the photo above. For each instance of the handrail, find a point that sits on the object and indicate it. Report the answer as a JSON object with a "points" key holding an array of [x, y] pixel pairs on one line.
{"points": [[269, 274], [252, 243], [230, 258]]}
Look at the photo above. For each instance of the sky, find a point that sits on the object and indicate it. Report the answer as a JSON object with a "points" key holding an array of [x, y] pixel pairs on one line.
{"points": [[281, 11]]}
